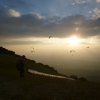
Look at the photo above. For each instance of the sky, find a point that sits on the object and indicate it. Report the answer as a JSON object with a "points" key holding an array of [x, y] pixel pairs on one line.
{"points": [[73, 25]]}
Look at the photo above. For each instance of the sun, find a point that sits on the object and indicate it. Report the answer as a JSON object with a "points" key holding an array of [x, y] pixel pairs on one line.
{"points": [[73, 40]]}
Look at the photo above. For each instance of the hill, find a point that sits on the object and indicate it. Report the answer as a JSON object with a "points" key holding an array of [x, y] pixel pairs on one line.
{"points": [[90, 75], [8, 60], [37, 87]]}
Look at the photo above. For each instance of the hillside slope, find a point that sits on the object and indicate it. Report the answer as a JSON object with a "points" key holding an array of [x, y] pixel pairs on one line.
{"points": [[8, 65], [37, 87]]}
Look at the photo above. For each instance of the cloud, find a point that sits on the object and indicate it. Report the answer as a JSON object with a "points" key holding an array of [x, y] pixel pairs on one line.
{"points": [[81, 1], [90, 12], [97, 0], [15, 25], [36, 15], [72, 3], [13, 13], [14, 42], [5, 12], [96, 13]]}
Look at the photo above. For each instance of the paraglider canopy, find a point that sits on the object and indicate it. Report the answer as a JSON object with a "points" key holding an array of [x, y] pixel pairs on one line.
{"points": [[72, 51], [32, 51], [50, 37], [87, 47]]}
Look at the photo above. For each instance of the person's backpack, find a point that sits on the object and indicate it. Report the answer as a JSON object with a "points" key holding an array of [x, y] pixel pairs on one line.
{"points": [[18, 66]]}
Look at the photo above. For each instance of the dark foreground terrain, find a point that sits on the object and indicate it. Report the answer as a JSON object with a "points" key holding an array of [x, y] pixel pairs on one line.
{"points": [[45, 88], [36, 87]]}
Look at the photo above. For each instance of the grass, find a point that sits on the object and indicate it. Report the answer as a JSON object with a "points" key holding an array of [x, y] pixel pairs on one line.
{"points": [[36, 87]]}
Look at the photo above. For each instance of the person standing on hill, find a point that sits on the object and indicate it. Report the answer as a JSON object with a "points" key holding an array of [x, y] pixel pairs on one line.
{"points": [[20, 67]]}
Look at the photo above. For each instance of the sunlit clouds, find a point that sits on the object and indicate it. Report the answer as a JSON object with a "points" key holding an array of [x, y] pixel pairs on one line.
{"points": [[96, 13], [36, 25], [5, 12], [82, 1], [72, 25], [97, 0], [13, 13]]}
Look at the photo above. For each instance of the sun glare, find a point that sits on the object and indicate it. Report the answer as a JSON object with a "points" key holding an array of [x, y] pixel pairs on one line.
{"points": [[73, 40]]}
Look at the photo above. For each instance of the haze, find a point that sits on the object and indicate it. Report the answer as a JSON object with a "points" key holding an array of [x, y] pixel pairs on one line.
{"points": [[25, 24]]}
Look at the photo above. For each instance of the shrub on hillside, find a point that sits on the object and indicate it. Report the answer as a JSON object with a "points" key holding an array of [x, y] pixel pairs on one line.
{"points": [[23, 56], [74, 77], [40, 64]]}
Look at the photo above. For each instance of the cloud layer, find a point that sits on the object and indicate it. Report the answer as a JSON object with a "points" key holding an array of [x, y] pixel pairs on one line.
{"points": [[82, 1], [97, 0], [15, 25]]}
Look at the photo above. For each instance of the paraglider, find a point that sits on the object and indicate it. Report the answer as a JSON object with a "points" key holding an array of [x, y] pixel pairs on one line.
{"points": [[87, 47], [32, 51], [72, 51], [50, 37]]}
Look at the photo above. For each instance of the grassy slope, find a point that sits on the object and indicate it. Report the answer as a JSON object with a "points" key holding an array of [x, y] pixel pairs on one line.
{"points": [[36, 87], [8, 65]]}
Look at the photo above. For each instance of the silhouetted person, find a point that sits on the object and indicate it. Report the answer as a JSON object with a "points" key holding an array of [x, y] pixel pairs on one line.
{"points": [[21, 64], [20, 67]]}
